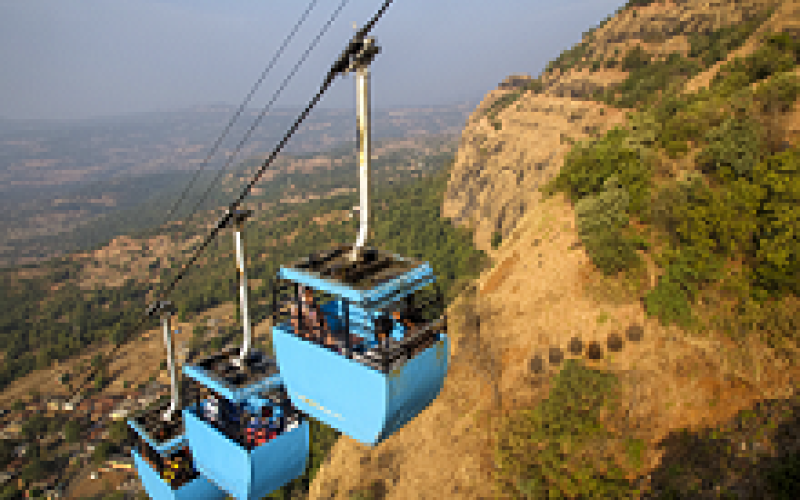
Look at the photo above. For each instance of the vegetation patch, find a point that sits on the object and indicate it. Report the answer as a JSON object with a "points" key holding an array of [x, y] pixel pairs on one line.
{"points": [[601, 218], [778, 94], [497, 238], [734, 147], [552, 450], [588, 166], [608, 180], [502, 103], [748, 217], [713, 47], [756, 450], [740, 205], [778, 54], [535, 86], [569, 58], [647, 79]]}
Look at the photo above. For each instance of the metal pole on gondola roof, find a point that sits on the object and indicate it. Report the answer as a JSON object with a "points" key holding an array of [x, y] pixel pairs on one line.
{"points": [[166, 309], [237, 217], [360, 65]]}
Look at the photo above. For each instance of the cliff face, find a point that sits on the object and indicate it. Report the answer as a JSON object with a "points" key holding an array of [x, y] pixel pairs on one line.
{"points": [[544, 302], [497, 172]]}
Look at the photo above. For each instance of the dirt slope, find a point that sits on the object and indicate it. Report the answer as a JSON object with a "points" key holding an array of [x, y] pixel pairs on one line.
{"points": [[542, 293]]}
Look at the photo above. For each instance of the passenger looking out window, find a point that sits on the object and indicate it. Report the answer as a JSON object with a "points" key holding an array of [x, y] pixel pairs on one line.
{"points": [[405, 322], [309, 322]]}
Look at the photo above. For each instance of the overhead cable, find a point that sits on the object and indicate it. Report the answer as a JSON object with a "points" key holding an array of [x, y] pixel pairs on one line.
{"points": [[268, 107], [235, 117]]}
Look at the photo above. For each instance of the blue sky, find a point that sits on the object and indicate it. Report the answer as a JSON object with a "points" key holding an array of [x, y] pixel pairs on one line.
{"points": [[82, 58]]}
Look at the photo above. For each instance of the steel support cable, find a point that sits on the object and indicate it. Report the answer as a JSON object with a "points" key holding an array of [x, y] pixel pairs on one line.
{"points": [[264, 111], [239, 111], [268, 107], [339, 67], [235, 117]]}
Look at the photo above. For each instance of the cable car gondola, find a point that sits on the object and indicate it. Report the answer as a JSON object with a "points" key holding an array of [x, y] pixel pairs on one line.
{"points": [[247, 456], [169, 472], [365, 390], [165, 464], [359, 386], [244, 433]]}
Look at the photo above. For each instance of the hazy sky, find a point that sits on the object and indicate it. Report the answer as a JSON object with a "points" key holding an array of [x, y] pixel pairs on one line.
{"points": [[81, 58]]}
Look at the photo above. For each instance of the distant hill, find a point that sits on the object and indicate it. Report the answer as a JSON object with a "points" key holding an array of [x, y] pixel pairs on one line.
{"points": [[36, 153], [72, 185]]}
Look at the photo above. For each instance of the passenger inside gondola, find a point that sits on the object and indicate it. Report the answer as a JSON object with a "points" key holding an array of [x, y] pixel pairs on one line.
{"points": [[262, 428], [175, 470], [308, 321], [383, 329], [248, 423], [406, 325]]}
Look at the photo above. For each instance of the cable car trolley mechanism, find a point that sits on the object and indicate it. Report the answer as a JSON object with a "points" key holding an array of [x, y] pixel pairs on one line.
{"points": [[376, 352]]}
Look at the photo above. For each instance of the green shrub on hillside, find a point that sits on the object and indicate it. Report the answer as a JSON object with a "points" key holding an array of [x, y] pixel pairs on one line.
{"points": [[669, 106], [687, 269], [777, 322], [733, 149], [536, 86], [676, 149], [644, 131], [497, 238], [778, 255], [754, 219], [783, 42], [676, 128], [715, 223], [600, 220], [564, 430], [661, 212], [502, 103], [604, 211], [637, 3], [669, 302], [611, 252], [646, 80], [778, 94], [636, 58], [716, 46], [569, 58], [588, 166], [72, 431], [779, 54]]}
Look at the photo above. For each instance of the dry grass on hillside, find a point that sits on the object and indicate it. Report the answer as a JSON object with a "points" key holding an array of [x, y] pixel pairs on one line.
{"points": [[543, 293]]}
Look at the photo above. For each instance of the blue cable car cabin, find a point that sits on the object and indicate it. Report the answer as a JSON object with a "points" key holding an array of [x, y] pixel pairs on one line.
{"points": [[367, 376], [244, 433], [164, 462]]}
